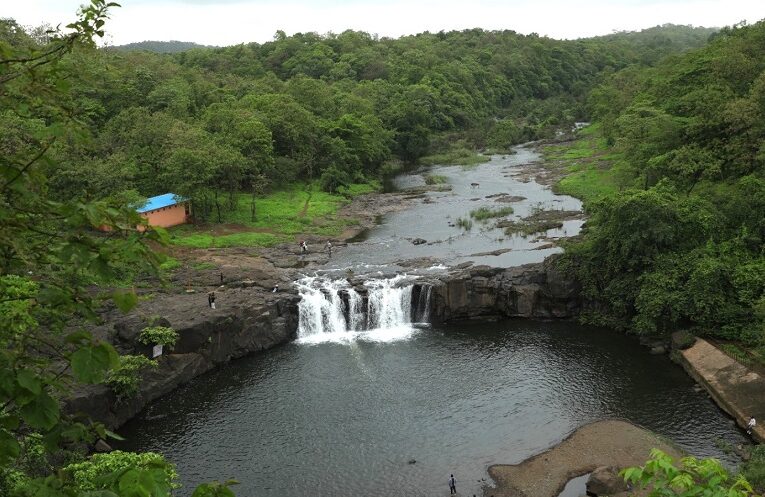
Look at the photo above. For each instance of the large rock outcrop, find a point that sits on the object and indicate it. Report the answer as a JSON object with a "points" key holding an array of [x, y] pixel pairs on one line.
{"points": [[246, 321], [531, 291]]}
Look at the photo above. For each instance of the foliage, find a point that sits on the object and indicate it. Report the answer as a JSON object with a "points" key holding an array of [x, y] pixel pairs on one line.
{"points": [[681, 244], [435, 179], [97, 472], [125, 379], [170, 263], [158, 335], [484, 213], [465, 223], [692, 477], [736, 353], [461, 156], [51, 255], [173, 46], [754, 469]]}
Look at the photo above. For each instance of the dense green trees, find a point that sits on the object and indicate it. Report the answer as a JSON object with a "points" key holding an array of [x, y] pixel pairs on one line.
{"points": [[686, 247], [305, 105]]}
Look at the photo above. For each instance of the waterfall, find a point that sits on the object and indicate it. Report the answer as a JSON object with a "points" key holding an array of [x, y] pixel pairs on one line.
{"points": [[330, 306], [422, 313], [321, 307], [389, 305], [355, 311]]}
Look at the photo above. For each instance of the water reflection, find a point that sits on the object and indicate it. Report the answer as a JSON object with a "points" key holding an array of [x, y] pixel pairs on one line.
{"points": [[345, 419]]}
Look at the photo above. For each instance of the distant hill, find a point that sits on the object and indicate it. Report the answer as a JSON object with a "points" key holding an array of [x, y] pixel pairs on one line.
{"points": [[172, 46]]}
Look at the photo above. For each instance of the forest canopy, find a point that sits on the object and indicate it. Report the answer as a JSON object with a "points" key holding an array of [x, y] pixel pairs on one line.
{"points": [[682, 246], [207, 123]]}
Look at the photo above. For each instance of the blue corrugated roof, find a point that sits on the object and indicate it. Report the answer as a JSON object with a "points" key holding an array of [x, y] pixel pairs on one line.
{"points": [[160, 201]]}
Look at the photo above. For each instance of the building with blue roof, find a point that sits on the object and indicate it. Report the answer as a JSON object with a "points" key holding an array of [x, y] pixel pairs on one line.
{"points": [[165, 210]]}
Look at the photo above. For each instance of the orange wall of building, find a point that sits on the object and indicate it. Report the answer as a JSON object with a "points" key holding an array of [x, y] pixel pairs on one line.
{"points": [[167, 216]]}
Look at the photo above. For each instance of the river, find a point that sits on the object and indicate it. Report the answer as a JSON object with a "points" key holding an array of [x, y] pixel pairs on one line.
{"points": [[393, 410]]}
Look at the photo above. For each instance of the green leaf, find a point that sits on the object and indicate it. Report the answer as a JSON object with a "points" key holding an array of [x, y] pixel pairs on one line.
{"points": [[90, 363], [41, 413], [9, 422], [133, 484], [7, 384], [9, 448], [29, 381], [125, 299], [113, 435]]}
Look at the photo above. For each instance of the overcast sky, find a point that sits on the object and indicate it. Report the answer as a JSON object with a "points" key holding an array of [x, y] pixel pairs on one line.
{"points": [[227, 22]]}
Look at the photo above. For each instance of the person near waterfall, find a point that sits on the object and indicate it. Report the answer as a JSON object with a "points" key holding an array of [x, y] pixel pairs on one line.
{"points": [[750, 425], [452, 485], [329, 248]]}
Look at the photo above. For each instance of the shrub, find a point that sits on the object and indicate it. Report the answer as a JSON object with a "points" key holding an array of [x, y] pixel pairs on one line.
{"points": [[435, 179], [125, 379], [736, 353], [158, 335], [464, 223], [754, 468], [170, 263], [333, 178], [692, 477], [486, 213], [94, 474]]}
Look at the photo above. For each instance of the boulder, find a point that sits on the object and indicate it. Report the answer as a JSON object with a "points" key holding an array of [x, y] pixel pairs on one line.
{"points": [[419, 241], [658, 350], [102, 446], [605, 480]]}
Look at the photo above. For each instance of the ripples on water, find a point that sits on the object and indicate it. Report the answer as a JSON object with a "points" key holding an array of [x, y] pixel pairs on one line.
{"points": [[344, 416]]}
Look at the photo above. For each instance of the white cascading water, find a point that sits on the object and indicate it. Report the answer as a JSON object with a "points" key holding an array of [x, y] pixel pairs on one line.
{"points": [[334, 309], [321, 307], [389, 305], [355, 311]]}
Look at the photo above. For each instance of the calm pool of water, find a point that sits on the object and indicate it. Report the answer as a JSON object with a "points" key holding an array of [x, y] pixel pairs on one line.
{"points": [[344, 418]]}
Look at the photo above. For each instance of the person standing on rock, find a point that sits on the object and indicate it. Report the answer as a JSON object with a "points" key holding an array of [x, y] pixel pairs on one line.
{"points": [[750, 425], [303, 247], [329, 248], [211, 299], [452, 485]]}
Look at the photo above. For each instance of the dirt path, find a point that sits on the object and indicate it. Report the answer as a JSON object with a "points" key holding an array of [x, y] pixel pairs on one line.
{"points": [[305, 206], [604, 443]]}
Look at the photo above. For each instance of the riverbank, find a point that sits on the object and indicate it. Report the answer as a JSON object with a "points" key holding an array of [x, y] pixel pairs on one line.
{"points": [[603, 443]]}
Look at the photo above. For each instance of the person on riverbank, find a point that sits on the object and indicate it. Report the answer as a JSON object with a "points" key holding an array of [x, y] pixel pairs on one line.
{"points": [[452, 485], [211, 300], [750, 425], [303, 247], [329, 248]]}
